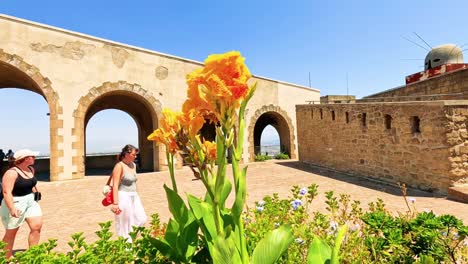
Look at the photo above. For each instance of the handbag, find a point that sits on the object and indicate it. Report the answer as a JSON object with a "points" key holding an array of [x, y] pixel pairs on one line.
{"points": [[37, 195], [109, 197]]}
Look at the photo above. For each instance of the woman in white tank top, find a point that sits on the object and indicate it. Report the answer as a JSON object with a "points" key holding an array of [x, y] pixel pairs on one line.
{"points": [[127, 207]]}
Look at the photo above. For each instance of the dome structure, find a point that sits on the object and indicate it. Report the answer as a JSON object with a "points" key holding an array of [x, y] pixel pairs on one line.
{"points": [[443, 54]]}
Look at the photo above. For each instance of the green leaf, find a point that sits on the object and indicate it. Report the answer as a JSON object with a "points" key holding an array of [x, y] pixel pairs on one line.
{"points": [[188, 240], [203, 212], [162, 246], [227, 187], [172, 233], [336, 248], [241, 191], [426, 259], [225, 251], [177, 206], [319, 252], [272, 246]]}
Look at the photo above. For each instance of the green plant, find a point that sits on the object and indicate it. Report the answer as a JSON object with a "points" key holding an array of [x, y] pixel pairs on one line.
{"points": [[344, 232], [372, 236], [262, 157], [321, 252], [281, 156], [218, 92]]}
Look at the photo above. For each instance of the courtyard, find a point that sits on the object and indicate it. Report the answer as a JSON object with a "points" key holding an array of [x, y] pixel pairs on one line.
{"points": [[75, 206]]}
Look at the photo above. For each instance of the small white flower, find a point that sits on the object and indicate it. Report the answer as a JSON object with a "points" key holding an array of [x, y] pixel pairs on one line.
{"points": [[261, 203], [412, 200], [277, 225], [354, 228], [260, 209], [299, 241]]}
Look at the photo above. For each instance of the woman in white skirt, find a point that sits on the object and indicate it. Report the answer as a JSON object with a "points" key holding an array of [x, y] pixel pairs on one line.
{"points": [[127, 205]]}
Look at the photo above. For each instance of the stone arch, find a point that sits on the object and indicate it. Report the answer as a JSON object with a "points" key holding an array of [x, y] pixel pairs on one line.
{"points": [[27, 76], [279, 119], [140, 104]]}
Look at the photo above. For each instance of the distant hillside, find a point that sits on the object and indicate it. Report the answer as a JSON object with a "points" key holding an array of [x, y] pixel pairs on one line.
{"points": [[270, 142]]}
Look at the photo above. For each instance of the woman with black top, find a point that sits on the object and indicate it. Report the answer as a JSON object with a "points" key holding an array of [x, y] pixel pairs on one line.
{"points": [[18, 204]]}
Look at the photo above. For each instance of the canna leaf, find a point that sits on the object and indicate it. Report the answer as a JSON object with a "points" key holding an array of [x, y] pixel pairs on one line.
{"points": [[272, 246]]}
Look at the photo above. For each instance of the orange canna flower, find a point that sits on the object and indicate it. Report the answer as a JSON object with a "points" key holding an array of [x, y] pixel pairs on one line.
{"points": [[219, 87], [193, 123]]}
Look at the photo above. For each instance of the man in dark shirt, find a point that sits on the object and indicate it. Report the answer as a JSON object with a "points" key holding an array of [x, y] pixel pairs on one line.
{"points": [[2, 157], [9, 154]]}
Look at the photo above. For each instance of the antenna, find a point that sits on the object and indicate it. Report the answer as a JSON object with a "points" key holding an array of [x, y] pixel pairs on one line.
{"points": [[309, 81], [422, 39], [415, 43]]}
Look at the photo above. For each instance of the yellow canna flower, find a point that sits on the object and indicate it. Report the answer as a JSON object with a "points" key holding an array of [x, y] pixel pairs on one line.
{"points": [[210, 150], [170, 125]]}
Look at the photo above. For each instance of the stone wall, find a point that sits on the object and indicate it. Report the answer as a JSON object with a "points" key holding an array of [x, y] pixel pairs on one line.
{"points": [[419, 143], [79, 75], [453, 85], [457, 139]]}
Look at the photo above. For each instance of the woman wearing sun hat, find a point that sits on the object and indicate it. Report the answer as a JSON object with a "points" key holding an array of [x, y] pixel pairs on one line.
{"points": [[18, 203]]}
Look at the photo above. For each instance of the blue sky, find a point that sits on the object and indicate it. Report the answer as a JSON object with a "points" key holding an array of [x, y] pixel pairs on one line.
{"points": [[282, 40]]}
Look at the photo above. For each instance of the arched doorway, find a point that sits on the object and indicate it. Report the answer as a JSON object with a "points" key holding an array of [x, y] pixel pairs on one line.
{"points": [[107, 132], [270, 143], [25, 124], [277, 118], [131, 99], [16, 73]]}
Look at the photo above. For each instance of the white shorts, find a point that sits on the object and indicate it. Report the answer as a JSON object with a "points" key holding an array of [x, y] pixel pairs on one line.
{"points": [[27, 206]]}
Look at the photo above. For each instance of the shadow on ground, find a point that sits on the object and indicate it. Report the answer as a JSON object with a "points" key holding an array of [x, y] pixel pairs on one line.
{"points": [[357, 180]]}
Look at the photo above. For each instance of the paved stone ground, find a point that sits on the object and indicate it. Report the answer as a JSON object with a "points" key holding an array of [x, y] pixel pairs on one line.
{"points": [[75, 206]]}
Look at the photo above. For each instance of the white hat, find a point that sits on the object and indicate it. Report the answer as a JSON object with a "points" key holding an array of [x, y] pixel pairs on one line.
{"points": [[23, 153]]}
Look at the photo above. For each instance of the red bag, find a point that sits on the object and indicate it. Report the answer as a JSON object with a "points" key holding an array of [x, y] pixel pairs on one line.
{"points": [[109, 199]]}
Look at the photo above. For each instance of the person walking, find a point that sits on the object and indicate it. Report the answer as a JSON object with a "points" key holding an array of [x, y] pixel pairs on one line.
{"points": [[2, 157], [127, 206], [9, 155], [19, 204]]}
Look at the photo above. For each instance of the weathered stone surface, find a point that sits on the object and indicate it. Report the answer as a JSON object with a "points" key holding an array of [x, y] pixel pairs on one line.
{"points": [[119, 55], [74, 50], [161, 72], [430, 156]]}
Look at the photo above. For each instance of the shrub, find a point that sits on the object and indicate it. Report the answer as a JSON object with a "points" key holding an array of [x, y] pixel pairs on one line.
{"points": [[282, 156], [372, 236], [262, 157]]}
